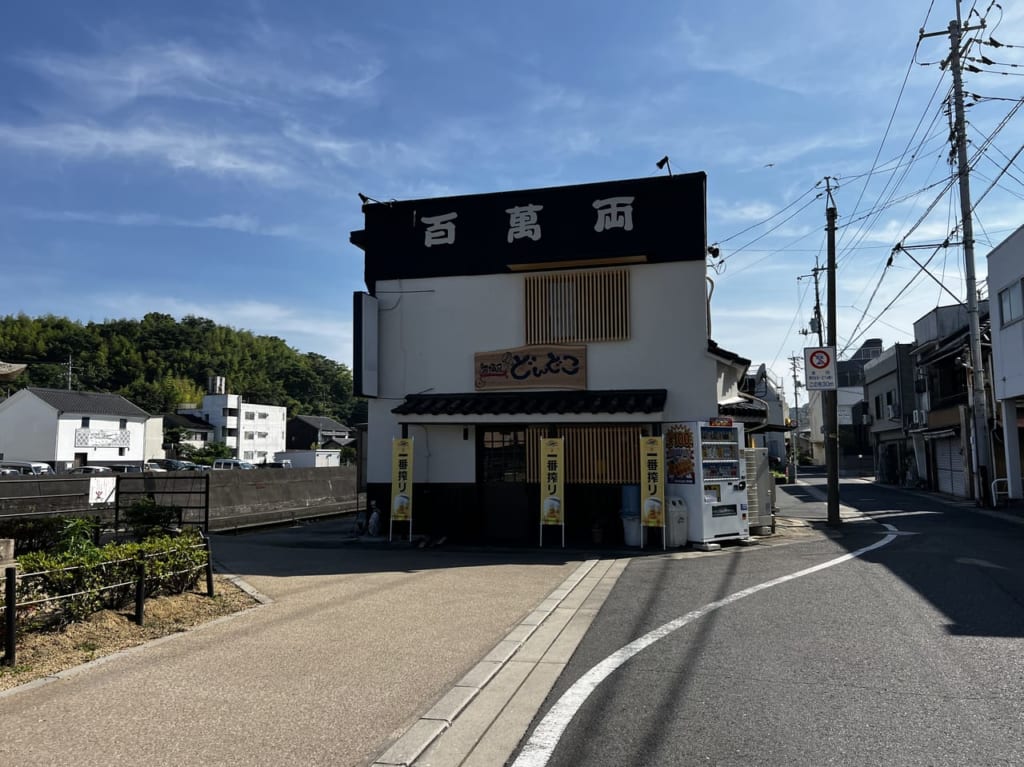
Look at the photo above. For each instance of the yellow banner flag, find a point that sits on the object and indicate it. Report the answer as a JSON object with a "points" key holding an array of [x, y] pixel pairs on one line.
{"points": [[552, 509], [401, 480], [652, 481]]}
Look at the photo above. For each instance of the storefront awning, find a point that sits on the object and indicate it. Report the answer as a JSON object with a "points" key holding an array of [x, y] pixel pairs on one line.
{"points": [[535, 402]]}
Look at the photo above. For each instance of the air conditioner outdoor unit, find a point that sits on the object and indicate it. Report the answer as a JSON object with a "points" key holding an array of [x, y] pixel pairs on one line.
{"points": [[892, 411], [919, 418]]}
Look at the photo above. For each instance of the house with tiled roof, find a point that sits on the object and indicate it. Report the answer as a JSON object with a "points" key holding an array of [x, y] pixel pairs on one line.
{"points": [[73, 428], [305, 432]]}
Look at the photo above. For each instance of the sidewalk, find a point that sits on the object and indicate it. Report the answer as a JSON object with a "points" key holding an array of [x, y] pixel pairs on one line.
{"points": [[352, 644]]}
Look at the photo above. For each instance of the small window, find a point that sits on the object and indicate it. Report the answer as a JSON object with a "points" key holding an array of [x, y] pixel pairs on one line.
{"points": [[1011, 304], [577, 306], [123, 424], [122, 451], [85, 422]]}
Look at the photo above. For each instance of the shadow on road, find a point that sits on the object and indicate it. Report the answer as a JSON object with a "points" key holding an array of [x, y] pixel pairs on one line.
{"points": [[967, 564]]}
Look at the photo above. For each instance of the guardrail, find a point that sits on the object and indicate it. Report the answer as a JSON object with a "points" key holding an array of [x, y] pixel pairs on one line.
{"points": [[1000, 488]]}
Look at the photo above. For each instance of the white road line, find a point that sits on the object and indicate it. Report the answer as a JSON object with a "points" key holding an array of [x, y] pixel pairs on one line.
{"points": [[541, 744]]}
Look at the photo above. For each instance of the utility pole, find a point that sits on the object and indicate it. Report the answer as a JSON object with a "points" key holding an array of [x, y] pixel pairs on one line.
{"points": [[816, 321], [980, 433], [794, 441], [830, 397]]}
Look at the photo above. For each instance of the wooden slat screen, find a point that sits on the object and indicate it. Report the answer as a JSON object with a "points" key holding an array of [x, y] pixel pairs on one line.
{"points": [[591, 305], [594, 454]]}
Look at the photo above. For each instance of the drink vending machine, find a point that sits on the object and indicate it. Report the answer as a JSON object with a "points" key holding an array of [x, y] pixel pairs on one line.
{"points": [[704, 467]]}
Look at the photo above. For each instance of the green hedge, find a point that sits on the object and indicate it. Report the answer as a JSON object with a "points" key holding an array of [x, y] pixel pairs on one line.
{"points": [[32, 533], [101, 578]]}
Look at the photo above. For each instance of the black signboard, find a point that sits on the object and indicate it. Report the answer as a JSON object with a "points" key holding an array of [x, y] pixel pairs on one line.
{"points": [[660, 219]]}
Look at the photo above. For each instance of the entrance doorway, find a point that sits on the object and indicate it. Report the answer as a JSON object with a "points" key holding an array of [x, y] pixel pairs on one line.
{"points": [[504, 495]]}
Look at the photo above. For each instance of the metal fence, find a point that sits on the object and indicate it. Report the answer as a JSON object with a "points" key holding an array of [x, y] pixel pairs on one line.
{"points": [[38, 607]]}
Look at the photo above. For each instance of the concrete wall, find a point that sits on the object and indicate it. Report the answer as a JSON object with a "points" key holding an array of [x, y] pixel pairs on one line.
{"points": [[237, 498], [28, 428]]}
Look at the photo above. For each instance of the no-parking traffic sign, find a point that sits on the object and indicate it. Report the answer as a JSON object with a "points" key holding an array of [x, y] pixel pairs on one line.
{"points": [[820, 367]]}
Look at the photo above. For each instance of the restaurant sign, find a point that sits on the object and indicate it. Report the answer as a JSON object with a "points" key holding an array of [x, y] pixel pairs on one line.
{"points": [[532, 367]]}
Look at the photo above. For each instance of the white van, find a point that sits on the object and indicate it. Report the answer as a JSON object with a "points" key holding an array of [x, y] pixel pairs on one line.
{"points": [[231, 463], [32, 468]]}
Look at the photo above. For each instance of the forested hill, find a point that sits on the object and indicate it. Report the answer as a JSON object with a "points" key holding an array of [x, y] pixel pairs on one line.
{"points": [[158, 362]]}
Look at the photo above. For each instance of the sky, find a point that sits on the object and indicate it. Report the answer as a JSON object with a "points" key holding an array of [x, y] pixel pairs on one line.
{"points": [[204, 158]]}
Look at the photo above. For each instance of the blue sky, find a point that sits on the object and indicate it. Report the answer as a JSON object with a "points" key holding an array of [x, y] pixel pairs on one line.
{"points": [[205, 157]]}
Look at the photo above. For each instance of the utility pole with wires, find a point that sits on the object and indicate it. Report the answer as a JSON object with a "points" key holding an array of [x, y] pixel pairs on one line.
{"points": [[830, 397], [816, 319], [980, 431], [794, 441]]}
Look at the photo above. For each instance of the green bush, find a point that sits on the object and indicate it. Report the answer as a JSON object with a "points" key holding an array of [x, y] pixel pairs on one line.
{"points": [[147, 518], [84, 581], [32, 533]]}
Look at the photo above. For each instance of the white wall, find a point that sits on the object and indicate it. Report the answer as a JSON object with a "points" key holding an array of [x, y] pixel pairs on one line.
{"points": [[68, 423], [1005, 266], [431, 328], [154, 443], [28, 428]]}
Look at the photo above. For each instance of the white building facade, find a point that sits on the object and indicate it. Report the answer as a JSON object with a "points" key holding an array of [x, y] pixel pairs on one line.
{"points": [[493, 321], [71, 428], [253, 432], [1006, 288]]}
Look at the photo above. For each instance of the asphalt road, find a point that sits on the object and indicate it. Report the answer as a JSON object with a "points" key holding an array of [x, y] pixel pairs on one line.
{"points": [[909, 654]]}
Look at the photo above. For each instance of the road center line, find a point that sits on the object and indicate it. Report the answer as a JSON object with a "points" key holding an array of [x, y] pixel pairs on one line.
{"points": [[542, 743]]}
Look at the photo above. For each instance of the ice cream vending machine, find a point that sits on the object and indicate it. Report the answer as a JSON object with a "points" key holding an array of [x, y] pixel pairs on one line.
{"points": [[704, 466]]}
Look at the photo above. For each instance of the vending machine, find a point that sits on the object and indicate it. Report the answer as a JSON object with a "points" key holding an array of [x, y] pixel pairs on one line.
{"points": [[705, 468]]}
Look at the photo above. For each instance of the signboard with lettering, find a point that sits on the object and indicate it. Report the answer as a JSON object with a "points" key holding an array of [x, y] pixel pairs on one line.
{"points": [[532, 367], [652, 481], [820, 368], [660, 219], [401, 481], [552, 502], [102, 438]]}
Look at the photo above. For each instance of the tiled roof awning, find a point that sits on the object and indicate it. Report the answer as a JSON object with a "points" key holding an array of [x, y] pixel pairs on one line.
{"points": [[535, 402]]}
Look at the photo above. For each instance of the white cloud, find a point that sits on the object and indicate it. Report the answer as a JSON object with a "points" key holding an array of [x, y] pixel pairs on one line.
{"points": [[182, 71], [236, 222], [178, 148]]}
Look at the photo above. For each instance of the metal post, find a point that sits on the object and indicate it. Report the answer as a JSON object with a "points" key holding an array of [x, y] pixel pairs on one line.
{"points": [[209, 569], [10, 614], [140, 593]]}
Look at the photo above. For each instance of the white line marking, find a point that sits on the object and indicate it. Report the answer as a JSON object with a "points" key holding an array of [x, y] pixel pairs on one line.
{"points": [[541, 744]]}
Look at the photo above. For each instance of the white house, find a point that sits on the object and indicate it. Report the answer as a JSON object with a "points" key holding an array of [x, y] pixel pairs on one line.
{"points": [[254, 432], [492, 321], [73, 428], [1006, 286]]}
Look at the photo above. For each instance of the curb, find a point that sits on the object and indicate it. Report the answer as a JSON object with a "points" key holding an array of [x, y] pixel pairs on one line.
{"points": [[571, 599]]}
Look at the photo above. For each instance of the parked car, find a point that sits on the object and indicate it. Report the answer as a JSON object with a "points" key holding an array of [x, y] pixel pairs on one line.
{"points": [[36, 468], [275, 465], [9, 472], [90, 470], [126, 468], [231, 463]]}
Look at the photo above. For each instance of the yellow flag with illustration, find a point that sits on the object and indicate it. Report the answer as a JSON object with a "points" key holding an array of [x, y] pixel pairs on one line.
{"points": [[401, 480], [552, 451], [652, 481]]}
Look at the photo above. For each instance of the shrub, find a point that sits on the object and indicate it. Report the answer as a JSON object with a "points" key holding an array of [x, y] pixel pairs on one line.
{"points": [[32, 533], [147, 518], [89, 580]]}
